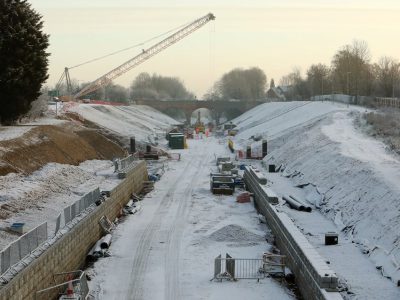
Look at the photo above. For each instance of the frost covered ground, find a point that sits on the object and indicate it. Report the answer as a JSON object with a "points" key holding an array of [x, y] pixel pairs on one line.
{"points": [[135, 120], [351, 178], [167, 250], [12, 132], [42, 195]]}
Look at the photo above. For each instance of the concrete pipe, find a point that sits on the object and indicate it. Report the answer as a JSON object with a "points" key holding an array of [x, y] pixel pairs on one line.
{"points": [[307, 208], [106, 241], [95, 252], [294, 204], [129, 204]]}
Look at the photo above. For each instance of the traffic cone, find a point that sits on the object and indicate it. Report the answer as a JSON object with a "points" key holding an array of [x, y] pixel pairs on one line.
{"points": [[70, 288]]}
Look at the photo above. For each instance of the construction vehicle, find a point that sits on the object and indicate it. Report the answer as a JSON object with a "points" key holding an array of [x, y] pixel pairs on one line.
{"points": [[144, 55], [222, 184], [199, 125]]}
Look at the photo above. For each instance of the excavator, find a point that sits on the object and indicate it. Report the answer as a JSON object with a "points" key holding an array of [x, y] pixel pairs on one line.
{"points": [[130, 64]]}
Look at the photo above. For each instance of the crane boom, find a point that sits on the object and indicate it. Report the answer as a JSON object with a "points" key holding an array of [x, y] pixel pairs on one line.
{"points": [[145, 55]]}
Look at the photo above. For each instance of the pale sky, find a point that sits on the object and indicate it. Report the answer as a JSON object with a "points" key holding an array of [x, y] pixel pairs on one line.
{"points": [[273, 35]]}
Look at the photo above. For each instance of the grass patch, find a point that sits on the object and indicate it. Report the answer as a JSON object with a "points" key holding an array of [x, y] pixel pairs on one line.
{"points": [[385, 124]]}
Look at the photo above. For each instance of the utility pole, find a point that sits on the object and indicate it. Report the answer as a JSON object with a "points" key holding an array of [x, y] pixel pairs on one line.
{"points": [[392, 87], [348, 85], [322, 85]]}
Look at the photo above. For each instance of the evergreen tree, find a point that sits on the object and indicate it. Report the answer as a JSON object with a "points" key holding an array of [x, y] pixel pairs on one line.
{"points": [[23, 58]]}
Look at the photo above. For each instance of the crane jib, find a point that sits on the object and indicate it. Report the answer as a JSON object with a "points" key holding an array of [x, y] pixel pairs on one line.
{"points": [[144, 55]]}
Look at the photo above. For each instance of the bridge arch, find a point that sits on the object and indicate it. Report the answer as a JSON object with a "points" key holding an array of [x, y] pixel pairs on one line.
{"points": [[205, 115], [188, 106]]}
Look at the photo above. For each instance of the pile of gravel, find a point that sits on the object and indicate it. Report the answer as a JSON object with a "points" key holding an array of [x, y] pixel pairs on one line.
{"points": [[234, 233]]}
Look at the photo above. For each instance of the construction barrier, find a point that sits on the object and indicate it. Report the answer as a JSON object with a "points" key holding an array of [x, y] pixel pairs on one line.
{"points": [[22, 247], [67, 249]]}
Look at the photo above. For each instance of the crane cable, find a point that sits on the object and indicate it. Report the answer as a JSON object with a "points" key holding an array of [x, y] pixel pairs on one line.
{"points": [[128, 48]]}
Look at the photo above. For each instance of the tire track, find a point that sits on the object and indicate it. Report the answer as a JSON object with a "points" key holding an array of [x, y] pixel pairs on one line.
{"points": [[172, 261], [140, 260]]}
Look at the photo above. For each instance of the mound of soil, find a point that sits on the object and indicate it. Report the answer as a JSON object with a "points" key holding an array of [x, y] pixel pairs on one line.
{"points": [[66, 144], [234, 233]]}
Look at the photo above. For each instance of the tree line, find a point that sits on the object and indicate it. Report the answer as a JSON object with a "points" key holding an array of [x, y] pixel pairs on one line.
{"points": [[351, 72], [143, 87], [24, 58], [237, 84]]}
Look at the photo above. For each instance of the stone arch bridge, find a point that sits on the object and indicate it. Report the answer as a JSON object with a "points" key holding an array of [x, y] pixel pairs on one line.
{"points": [[217, 108]]}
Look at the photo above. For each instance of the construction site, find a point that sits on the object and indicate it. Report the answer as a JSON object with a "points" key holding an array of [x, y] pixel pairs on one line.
{"points": [[287, 200]]}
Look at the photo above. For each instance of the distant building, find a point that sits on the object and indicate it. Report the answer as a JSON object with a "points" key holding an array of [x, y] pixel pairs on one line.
{"points": [[279, 93]]}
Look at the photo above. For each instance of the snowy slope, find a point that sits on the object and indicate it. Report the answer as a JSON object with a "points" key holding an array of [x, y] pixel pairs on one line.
{"points": [[273, 119], [134, 120], [356, 177]]}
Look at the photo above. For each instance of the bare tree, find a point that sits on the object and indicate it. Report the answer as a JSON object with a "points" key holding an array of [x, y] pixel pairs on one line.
{"points": [[116, 93], [351, 69], [318, 79], [242, 84], [296, 87], [291, 79], [158, 87], [387, 76]]}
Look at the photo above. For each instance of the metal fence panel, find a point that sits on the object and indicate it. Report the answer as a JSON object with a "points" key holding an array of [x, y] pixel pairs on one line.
{"points": [[42, 233], [90, 199], [238, 268], [62, 282], [230, 265], [96, 194], [67, 214], [75, 207], [73, 211], [85, 201], [217, 266], [14, 253], [5, 260], [24, 246], [33, 240], [126, 162], [82, 204], [58, 223]]}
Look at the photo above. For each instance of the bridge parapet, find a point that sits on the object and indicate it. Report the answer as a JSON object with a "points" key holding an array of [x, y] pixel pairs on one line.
{"points": [[189, 106]]}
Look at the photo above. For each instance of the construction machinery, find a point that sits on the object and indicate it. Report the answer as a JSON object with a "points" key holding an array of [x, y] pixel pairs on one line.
{"points": [[135, 61], [199, 125]]}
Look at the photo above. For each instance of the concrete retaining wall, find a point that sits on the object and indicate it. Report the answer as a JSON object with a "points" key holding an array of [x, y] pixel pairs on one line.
{"points": [[313, 277], [69, 252]]}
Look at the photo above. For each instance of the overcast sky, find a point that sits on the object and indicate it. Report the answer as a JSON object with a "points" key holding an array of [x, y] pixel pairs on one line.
{"points": [[273, 35]]}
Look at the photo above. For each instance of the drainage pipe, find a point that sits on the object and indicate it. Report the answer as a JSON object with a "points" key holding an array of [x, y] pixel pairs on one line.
{"points": [[307, 208], [95, 252], [294, 204], [106, 241]]}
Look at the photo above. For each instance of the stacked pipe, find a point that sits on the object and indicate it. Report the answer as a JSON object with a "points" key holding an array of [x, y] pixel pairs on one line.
{"points": [[296, 203]]}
